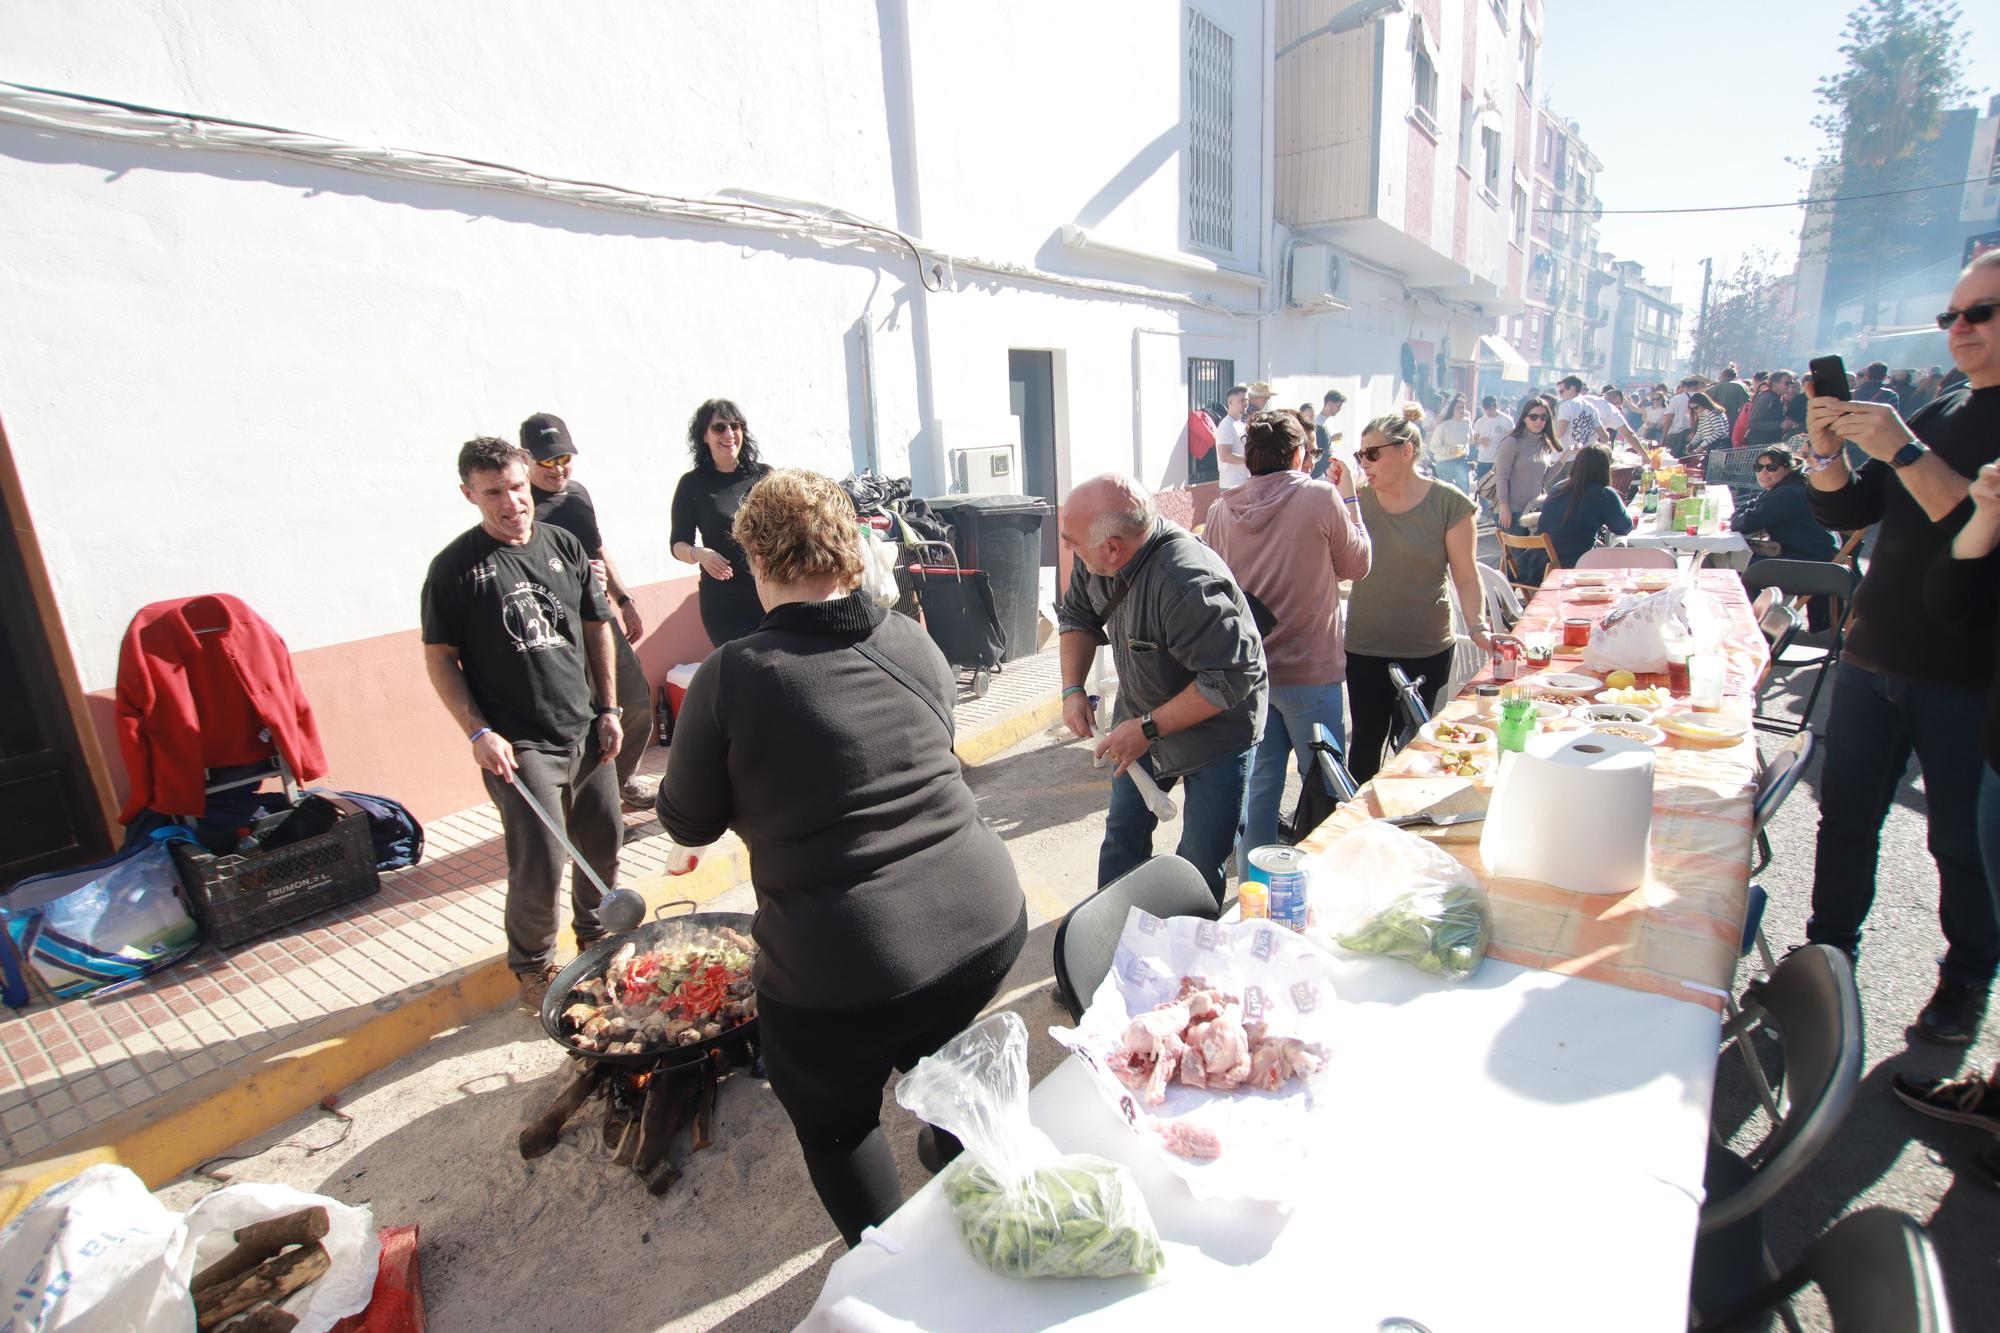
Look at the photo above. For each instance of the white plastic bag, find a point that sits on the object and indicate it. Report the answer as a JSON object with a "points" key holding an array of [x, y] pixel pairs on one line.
{"points": [[1023, 1208], [1386, 891], [1633, 636], [350, 1244], [878, 568], [95, 1255]]}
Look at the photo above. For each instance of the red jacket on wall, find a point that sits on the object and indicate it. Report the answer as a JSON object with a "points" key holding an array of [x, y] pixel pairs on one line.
{"points": [[204, 682]]}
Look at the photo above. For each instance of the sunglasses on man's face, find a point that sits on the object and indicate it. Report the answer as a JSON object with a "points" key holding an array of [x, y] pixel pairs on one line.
{"points": [[560, 460], [1976, 313]]}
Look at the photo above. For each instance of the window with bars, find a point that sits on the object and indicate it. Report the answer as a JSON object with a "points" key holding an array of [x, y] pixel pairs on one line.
{"points": [[1209, 382], [1211, 66]]}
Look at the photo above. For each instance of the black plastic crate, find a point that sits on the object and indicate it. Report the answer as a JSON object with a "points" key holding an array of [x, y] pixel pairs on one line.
{"points": [[235, 898]]}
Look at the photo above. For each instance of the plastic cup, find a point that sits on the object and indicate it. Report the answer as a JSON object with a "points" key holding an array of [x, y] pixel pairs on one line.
{"points": [[1677, 676], [1705, 675]]}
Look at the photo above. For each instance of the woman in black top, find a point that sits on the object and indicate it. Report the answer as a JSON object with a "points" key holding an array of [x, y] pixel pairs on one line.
{"points": [[888, 913], [1782, 511], [726, 466]]}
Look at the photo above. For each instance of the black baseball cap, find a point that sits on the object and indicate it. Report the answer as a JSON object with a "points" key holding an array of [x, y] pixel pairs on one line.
{"points": [[545, 436]]}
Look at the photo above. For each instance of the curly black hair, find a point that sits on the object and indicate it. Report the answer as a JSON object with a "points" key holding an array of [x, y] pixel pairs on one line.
{"points": [[486, 453], [720, 409]]}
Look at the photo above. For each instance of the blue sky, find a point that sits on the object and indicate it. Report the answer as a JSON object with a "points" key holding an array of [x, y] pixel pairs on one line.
{"points": [[1708, 119]]}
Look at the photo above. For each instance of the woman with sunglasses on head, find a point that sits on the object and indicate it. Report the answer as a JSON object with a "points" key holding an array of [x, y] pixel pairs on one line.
{"points": [[1521, 468], [1421, 533], [726, 466]]}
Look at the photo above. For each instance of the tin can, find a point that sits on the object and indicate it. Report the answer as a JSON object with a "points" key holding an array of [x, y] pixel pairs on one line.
{"points": [[1506, 657], [1282, 872]]}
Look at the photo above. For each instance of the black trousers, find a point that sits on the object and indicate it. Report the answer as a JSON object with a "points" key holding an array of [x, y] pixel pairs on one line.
{"points": [[828, 1068], [1371, 703]]}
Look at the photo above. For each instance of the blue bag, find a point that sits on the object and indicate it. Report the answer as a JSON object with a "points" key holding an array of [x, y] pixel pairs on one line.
{"points": [[76, 931], [398, 837]]}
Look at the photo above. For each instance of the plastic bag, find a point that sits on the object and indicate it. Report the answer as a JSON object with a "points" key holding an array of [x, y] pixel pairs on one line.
{"points": [[878, 568], [1382, 890], [350, 1244], [72, 933], [1024, 1208], [1633, 637], [93, 1254]]}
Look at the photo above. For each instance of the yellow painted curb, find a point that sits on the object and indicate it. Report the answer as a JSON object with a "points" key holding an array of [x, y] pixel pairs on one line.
{"points": [[202, 1119]]}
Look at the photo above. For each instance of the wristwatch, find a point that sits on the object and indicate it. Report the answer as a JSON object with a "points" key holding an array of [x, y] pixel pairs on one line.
{"points": [[611, 712], [1906, 455], [1152, 733]]}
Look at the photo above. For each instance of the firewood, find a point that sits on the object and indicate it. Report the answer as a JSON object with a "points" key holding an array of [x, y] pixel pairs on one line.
{"points": [[272, 1280], [542, 1133], [260, 1241], [704, 1112], [265, 1318]]}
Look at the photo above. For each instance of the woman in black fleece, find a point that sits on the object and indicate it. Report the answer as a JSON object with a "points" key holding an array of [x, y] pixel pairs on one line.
{"points": [[887, 913]]}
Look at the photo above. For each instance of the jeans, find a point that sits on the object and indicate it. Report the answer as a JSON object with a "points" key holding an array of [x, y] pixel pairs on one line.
{"points": [[1457, 471], [581, 791], [1873, 725], [1210, 822], [1289, 714]]}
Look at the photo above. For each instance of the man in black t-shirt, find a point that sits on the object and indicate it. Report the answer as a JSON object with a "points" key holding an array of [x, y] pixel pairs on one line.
{"points": [[517, 641], [1907, 682], [563, 503]]}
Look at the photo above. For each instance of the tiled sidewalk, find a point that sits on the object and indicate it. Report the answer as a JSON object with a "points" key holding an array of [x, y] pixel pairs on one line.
{"points": [[68, 1068]]}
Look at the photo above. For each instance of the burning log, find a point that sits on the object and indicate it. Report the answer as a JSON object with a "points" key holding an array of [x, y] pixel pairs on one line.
{"points": [[540, 1135]]}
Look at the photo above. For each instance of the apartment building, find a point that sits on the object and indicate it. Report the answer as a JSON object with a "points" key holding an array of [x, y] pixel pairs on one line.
{"points": [[1561, 326]]}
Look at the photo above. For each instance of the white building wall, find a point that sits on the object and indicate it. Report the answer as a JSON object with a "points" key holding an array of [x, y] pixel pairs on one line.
{"points": [[226, 370]]}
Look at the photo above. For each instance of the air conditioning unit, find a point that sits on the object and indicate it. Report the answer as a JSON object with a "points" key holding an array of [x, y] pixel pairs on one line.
{"points": [[1319, 277], [988, 469]]}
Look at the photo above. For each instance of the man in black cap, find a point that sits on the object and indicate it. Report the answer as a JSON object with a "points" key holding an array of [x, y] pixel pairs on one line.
{"points": [[563, 503]]}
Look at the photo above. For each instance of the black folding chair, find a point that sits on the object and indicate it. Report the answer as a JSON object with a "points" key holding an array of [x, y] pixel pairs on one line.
{"points": [[1325, 785], [1410, 708], [1811, 1001], [1088, 937], [1877, 1270], [1804, 578]]}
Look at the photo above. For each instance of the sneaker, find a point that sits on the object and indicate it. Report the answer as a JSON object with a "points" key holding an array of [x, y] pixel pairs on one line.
{"points": [[639, 793], [1953, 1015], [1965, 1101], [535, 986]]}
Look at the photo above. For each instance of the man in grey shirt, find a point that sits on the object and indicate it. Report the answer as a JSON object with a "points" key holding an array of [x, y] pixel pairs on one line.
{"points": [[1191, 678]]}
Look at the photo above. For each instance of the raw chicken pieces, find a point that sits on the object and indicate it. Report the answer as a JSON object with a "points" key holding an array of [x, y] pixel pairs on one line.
{"points": [[1200, 1037]]}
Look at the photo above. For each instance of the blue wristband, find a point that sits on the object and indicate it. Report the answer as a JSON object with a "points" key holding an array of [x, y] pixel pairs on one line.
{"points": [[474, 737]]}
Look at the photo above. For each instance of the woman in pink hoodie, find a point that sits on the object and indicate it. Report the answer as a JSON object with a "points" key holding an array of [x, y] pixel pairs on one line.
{"points": [[1290, 541]]}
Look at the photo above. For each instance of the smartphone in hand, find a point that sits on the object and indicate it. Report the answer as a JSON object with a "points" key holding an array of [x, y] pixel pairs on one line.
{"points": [[1829, 377]]}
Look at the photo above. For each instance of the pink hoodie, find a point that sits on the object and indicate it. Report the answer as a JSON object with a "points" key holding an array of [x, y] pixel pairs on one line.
{"points": [[1290, 540]]}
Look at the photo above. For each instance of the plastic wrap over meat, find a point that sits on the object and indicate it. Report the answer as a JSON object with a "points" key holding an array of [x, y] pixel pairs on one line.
{"points": [[1213, 1041]]}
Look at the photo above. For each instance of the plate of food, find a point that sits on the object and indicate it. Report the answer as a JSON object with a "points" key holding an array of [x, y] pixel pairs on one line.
{"points": [[1548, 710], [1455, 735], [1652, 582], [1706, 728], [1632, 731], [1452, 761], [1594, 713], [1583, 578], [1592, 594], [1639, 696]]}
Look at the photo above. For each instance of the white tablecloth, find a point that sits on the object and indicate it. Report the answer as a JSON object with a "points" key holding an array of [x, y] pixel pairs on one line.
{"points": [[1710, 543], [1523, 1151]]}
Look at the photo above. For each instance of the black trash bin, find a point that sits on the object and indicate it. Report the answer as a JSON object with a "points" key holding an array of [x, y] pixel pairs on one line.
{"points": [[1002, 534]]}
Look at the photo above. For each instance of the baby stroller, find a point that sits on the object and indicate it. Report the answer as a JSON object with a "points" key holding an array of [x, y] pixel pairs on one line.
{"points": [[958, 611]]}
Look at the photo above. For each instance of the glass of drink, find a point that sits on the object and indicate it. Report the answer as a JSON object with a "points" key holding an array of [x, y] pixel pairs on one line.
{"points": [[1538, 647], [1705, 673], [1677, 673]]}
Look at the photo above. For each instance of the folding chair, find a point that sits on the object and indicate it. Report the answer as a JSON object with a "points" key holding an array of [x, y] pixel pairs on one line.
{"points": [[1409, 705], [1326, 785], [1088, 937], [1627, 557], [1774, 784], [1511, 542], [1877, 1270], [1806, 578]]}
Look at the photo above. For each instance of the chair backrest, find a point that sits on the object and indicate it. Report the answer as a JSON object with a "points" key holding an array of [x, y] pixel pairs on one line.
{"points": [[1539, 541], [1850, 550], [1811, 1000], [1088, 937], [1782, 774], [1409, 704], [1334, 787], [1877, 1270], [1626, 557], [1802, 578], [1503, 604]]}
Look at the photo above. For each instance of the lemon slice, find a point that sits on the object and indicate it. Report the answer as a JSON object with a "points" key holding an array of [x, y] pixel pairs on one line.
{"points": [[1621, 680]]}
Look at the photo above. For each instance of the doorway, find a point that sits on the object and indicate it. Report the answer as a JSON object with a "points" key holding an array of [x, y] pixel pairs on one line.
{"points": [[1031, 395], [49, 815]]}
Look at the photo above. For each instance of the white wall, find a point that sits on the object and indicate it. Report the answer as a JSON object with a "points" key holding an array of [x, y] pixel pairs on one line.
{"points": [[224, 370]]}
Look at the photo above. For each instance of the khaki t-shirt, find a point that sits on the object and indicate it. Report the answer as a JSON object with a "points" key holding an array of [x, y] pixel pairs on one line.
{"points": [[1402, 608]]}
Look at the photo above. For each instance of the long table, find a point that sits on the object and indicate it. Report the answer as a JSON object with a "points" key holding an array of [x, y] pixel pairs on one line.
{"points": [[1523, 1150]]}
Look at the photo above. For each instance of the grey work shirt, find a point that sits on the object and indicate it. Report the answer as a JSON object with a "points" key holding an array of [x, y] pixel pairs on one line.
{"points": [[1184, 621]]}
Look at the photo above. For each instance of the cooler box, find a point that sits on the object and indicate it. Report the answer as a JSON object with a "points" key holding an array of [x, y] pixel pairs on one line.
{"points": [[678, 681]]}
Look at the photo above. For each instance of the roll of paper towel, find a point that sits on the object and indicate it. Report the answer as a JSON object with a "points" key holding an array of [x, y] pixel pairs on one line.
{"points": [[1574, 809]]}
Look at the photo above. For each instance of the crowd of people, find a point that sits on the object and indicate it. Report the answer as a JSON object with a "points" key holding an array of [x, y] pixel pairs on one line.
{"points": [[888, 912]]}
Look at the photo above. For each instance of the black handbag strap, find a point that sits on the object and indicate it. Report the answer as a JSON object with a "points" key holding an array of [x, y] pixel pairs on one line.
{"points": [[916, 686]]}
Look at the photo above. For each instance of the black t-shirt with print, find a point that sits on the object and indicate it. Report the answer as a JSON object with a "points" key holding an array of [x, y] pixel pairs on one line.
{"points": [[571, 510], [516, 616]]}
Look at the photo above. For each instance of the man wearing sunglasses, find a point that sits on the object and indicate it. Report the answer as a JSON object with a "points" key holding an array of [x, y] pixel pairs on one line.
{"points": [[562, 502], [1907, 681]]}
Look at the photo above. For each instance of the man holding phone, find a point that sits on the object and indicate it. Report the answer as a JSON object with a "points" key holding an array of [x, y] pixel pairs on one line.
{"points": [[1908, 683]]}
